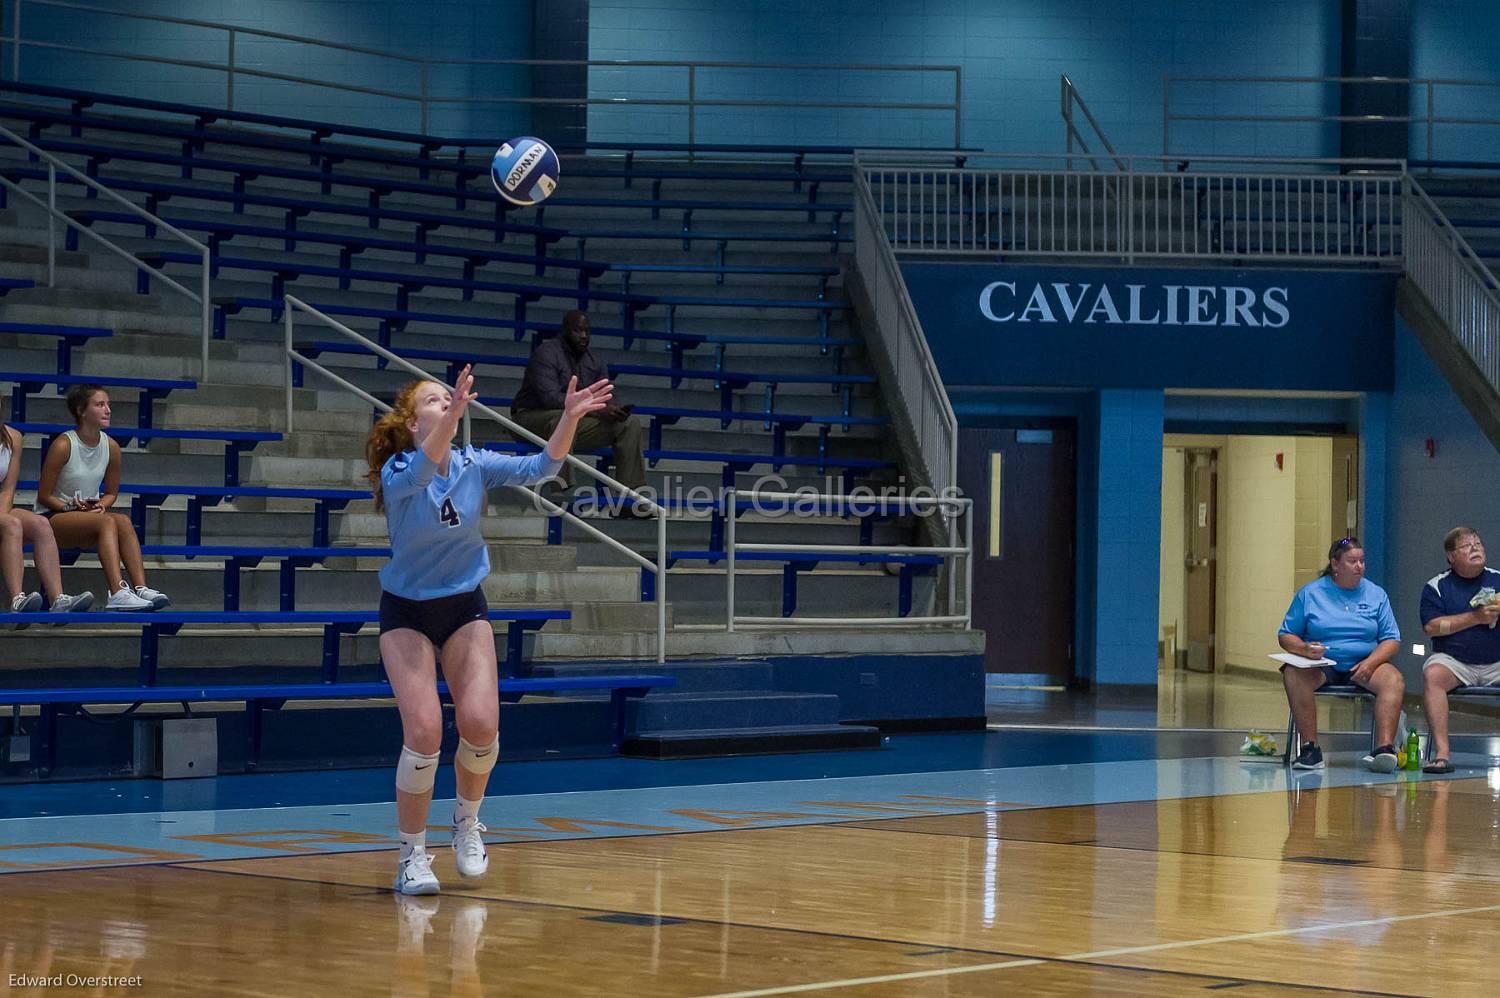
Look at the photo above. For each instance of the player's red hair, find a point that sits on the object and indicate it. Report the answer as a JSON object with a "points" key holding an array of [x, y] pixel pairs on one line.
{"points": [[391, 435]]}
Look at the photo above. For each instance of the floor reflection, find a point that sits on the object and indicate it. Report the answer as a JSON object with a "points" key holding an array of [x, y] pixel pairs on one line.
{"points": [[1181, 699]]}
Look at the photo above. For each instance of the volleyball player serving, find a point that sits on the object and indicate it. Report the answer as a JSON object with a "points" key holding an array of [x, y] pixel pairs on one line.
{"points": [[433, 606]]}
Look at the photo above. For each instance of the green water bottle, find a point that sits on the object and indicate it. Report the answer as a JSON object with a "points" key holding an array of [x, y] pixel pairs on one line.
{"points": [[1413, 751]]}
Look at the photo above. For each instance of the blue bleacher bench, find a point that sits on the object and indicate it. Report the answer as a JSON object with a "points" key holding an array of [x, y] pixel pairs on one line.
{"points": [[81, 100], [728, 382], [794, 562], [295, 208], [68, 337], [236, 442], [150, 389], [284, 270], [376, 187], [238, 556], [731, 462], [868, 514], [259, 697], [349, 243], [148, 494], [334, 623]]}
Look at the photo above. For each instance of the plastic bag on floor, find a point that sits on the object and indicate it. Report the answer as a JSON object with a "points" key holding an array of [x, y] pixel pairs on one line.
{"points": [[1259, 743]]}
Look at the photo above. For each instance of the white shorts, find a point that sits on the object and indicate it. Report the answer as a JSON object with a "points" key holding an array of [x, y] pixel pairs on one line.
{"points": [[1468, 675]]}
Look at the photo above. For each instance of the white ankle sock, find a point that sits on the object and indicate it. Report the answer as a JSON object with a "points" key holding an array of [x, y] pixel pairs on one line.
{"points": [[466, 808], [412, 841]]}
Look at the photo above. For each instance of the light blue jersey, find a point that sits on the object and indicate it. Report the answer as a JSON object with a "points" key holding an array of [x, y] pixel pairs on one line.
{"points": [[1348, 622], [437, 548]]}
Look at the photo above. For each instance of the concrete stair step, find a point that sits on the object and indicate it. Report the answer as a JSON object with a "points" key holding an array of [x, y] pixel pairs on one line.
{"points": [[717, 643]]}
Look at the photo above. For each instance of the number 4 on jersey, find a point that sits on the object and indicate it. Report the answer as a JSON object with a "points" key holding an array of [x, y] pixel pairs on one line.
{"points": [[448, 514]]}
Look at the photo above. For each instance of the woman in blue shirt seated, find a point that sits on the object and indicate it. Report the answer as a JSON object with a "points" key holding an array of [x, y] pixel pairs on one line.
{"points": [[1345, 617]]}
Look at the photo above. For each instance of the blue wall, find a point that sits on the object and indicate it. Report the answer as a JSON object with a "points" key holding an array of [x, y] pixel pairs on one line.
{"points": [[1012, 55], [454, 29], [1427, 496], [1457, 39]]}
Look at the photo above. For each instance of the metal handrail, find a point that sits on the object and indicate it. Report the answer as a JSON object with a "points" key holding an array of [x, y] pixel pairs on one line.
{"points": [[203, 296], [1428, 117], [425, 100], [657, 567], [1348, 214], [918, 383], [1460, 288], [1126, 162], [952, 507], [1071, 97]]}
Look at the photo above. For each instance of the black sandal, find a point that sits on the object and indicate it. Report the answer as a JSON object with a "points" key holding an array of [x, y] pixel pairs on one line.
{"points": [[1438, 767]]}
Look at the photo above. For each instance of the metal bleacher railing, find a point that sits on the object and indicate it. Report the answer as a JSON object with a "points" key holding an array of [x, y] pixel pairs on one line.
{"points": [[203, 296], [1072, 100], [1184, 97], [1455, 281], [695, 76], [658, 567], [1034, 205]]}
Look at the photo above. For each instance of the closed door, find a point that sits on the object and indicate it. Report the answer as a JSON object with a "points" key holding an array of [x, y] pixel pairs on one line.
{"points": [[1201, 560], [1023, 483]]}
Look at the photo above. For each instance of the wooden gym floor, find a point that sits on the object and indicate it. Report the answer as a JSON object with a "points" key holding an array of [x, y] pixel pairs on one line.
{"points": [[1345, 883]]}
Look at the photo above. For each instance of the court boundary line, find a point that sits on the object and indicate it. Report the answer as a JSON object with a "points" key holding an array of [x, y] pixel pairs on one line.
{"points": [[1086, 958]]}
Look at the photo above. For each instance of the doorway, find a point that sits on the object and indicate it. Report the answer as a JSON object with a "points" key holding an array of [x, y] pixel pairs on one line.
{"points": [[1246, 521], [1024, 485]]}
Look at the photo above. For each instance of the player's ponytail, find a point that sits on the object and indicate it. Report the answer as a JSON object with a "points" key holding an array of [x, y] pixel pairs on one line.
{"points": [[390, 436]]}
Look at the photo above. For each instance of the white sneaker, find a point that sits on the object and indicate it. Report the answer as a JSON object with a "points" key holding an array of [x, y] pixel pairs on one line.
{"points": [[158, 601], [73, 604], [468, 848], [414, 874], [125, 599], [25, 603]]}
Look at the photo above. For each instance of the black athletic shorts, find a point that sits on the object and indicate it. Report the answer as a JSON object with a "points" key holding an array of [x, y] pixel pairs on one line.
{"points": [[435, 618]]}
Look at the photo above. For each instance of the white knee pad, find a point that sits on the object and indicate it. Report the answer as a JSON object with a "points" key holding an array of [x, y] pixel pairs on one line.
{"points": [[416, 772], [478, 761]]}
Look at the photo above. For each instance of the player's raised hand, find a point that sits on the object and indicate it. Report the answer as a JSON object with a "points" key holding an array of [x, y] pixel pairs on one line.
{"points": [[463, 394], [580, 402]]}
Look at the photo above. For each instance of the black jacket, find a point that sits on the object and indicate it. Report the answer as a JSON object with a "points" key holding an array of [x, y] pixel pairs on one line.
{"points": [[545, 385]]}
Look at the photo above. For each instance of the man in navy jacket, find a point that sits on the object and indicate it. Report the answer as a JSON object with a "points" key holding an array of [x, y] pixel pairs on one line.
{"points": [[538, 405]]}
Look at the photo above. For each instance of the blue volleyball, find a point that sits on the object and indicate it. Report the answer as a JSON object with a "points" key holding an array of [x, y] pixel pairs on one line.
{"points": [[525, 171]]}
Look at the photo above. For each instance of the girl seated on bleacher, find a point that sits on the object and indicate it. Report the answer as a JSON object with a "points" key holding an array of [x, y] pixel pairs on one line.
{"points": [[19, 527], [80, 482]]}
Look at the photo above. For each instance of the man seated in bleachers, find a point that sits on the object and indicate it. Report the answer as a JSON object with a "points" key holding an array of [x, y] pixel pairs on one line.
{"points": [[1459, 611], [538, 405]]}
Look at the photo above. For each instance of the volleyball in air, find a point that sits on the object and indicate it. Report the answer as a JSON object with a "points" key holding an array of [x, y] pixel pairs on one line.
{"points": [[525, 171]]}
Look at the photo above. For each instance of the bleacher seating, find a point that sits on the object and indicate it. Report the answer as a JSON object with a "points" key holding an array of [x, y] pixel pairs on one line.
{"points": [[67, 337], [147, 495], [756, 284], [236, 442], [333, 622], [150, 389], [273, 696]]}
